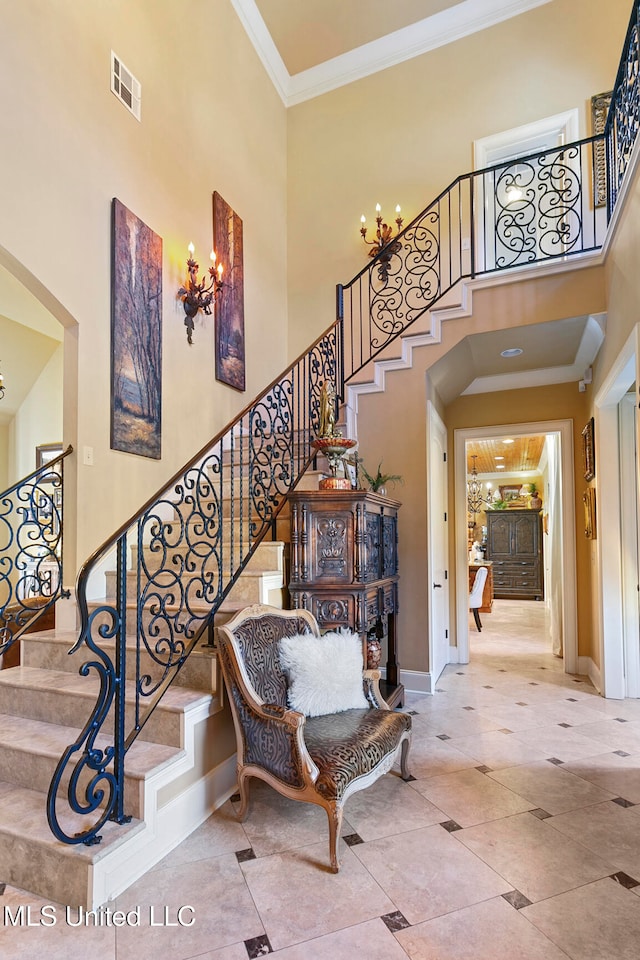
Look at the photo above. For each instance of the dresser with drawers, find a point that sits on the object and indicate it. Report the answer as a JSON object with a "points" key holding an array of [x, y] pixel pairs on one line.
{"points": [[514, 544]]}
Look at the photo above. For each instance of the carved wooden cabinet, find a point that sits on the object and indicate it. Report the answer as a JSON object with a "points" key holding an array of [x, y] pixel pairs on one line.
{"points": [[344, 566], [514, 543]]}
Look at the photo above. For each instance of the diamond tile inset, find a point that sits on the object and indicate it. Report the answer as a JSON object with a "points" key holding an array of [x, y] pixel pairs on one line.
{"points": [[244, 855], [395, 921], [625, 880], [450, 826], [516, 899], [258, 946], [352, 839]]}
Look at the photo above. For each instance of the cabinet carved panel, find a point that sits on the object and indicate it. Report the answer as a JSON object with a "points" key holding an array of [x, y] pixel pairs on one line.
{"points": [[344, 565]]}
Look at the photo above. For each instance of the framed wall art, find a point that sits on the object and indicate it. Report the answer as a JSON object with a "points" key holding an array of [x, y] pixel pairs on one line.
{"points": [[136, 335], [588, 451], [46, 452], [229, 308]]}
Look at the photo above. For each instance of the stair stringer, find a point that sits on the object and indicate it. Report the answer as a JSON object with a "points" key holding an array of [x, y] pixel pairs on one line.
{"points": [[165, 825], [431, 324]]}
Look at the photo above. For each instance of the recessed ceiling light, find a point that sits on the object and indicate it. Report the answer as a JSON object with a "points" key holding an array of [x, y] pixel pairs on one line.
{"points": [[507, 441], [498, 458], [499, 466], [511, 352]]}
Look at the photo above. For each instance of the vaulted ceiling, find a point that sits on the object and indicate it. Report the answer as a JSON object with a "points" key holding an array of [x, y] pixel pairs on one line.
{"points": [[311, 46]]}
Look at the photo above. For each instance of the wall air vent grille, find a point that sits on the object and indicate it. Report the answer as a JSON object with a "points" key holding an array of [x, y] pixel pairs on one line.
{"points": [[125, 86]]}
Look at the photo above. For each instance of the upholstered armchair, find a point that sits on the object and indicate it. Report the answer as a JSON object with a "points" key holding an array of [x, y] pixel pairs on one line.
{"points": [[319, 759]]}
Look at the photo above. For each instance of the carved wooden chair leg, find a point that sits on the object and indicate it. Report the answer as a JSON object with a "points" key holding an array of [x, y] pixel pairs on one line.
{"points": [[243, 790], [404, 770], [476, 616], [334, 814]]}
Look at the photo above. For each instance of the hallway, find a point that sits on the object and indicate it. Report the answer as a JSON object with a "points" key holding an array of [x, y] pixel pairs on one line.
{"points": [[519, 838]]}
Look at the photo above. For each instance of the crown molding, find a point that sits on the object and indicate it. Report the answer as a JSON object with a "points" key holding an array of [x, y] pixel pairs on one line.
{"points": [[465, 18]]}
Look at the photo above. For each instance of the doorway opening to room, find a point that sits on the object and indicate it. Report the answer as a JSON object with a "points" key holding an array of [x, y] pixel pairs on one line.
{"points": [[505, 526]]}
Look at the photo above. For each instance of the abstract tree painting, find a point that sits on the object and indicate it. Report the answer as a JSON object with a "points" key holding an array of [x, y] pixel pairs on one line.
{"points": [[136, 335], [229, 310]]}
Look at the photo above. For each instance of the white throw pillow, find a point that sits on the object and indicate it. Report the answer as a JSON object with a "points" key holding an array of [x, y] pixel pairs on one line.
{"points": [[324, 673]]}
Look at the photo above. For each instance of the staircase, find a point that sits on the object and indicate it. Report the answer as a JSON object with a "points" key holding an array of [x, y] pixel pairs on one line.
{"points": [[44, 704]]}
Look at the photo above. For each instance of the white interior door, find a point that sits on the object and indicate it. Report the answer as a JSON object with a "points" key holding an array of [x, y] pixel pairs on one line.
{"points": [[438, 540]]}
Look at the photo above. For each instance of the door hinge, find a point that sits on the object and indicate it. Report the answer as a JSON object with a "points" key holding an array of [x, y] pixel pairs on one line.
{"points": [[446, 634], [446, 574], [444, 457], [445, 518]]}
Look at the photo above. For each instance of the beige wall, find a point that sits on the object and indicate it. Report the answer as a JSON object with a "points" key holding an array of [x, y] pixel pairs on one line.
{"points": [[39, 419], [402, 135], [210, 121]]}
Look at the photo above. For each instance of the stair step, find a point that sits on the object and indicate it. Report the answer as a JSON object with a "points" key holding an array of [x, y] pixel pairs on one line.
{"points": [[267, 557], [34, 860], [50, 650], [38, 694], [253, 587], [30, 751]]}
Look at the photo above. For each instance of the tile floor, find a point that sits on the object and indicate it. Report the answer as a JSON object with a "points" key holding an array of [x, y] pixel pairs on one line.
{"points": [[518, 838]]}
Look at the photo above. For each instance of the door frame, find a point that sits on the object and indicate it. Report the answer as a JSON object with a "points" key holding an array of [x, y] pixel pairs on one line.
{"points": [[435, 422], [564, 428], [610, 574]]}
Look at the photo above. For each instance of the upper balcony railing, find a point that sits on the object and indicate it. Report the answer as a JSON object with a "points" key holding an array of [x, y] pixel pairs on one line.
{"points": [[31, 535], [179, 556], [543, 207]]}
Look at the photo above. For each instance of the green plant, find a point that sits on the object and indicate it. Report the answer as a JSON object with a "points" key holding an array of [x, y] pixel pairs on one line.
{"points": [[498, 505], [380, 479]]}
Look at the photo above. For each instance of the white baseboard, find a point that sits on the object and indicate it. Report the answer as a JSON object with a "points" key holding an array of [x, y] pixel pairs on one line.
{"points": [[587, 668], [163, 830], [454, 655], [416, 681]]}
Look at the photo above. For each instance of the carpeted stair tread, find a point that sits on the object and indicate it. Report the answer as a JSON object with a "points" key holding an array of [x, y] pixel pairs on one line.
{"points": [[50, 740]]}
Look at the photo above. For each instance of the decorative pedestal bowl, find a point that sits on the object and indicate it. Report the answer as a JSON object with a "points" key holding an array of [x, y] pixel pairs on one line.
{"points": [[334, 448]]}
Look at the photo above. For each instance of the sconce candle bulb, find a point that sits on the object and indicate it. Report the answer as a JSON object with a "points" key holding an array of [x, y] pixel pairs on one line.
{"points": [[199, 295]]}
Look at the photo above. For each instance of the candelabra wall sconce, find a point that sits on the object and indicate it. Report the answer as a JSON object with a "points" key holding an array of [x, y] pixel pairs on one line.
{"points": [[1, 387], [199, 295], [384, 242]]}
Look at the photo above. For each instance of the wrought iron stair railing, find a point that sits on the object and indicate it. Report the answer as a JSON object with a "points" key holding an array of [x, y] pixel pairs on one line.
{"points": [[180, 555], [31, 544], [175, 562], [544, 207]]}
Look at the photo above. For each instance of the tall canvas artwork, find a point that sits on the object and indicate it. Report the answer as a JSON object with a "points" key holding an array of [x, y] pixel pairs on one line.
{"points": [[136, 335], [229, 309]]}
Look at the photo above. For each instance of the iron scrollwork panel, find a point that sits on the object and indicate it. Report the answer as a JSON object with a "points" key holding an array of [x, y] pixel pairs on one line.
{"points": [[30, 550]]}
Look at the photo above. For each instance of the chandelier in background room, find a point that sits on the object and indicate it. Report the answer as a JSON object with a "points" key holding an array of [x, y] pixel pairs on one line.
{"points": [[476, 502]]}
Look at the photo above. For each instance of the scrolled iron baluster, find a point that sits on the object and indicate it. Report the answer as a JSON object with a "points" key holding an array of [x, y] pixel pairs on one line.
{"points": [[103, 783], [560, 195]]}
